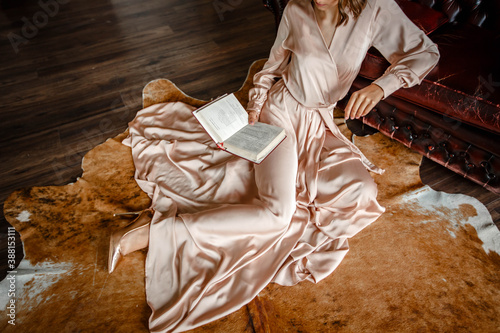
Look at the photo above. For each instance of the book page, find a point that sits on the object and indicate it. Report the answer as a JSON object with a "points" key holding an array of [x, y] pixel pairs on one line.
{"points": [[255, 141], [223, 117]]}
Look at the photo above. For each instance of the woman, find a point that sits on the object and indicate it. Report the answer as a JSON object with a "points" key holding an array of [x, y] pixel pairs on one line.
{"points": [[220, 232]]}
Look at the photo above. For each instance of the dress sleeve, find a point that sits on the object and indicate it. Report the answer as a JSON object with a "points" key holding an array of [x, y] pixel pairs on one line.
{"points": [[411, 53], [277, 62]]}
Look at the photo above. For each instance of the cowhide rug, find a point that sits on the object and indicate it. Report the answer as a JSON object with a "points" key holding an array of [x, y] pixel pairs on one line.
{"points": [[430, 263]]}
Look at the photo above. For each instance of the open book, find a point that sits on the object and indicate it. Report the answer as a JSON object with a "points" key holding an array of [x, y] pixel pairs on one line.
{"points": [[226, 121]]}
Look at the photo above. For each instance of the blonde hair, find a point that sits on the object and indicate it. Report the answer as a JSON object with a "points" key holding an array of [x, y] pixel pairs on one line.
{"points": [[354, 6]]}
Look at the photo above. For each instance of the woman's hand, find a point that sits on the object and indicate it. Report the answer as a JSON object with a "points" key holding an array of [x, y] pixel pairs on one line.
{"points": [[363, 101], [253, 116]]}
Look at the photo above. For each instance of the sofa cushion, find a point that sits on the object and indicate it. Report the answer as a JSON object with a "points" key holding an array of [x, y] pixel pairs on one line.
{"points": [[424, 17]]}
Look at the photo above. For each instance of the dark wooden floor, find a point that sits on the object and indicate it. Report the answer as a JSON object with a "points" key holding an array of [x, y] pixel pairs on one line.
{"points": [[77, 78]]}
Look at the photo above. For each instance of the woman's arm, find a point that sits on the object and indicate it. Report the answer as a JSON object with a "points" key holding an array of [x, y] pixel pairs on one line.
{"points": [[264, 80], [411, 53]]}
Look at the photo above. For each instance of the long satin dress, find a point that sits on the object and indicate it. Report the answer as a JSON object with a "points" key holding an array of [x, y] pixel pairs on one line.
{"points": [[223, 228]]}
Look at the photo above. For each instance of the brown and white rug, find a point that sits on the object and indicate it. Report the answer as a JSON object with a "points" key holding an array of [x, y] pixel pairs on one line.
{"points": [[430, 263]]}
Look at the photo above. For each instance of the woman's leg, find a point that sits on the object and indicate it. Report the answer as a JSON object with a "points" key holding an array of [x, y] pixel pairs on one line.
{"points": [[271, 213], [132, 237]]}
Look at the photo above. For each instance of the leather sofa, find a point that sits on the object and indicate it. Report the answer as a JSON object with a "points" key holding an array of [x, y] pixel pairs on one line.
{"points": [[453, 117]]}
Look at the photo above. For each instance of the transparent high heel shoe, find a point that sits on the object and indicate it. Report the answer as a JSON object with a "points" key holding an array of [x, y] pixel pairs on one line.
{"points": [[132, 237]]}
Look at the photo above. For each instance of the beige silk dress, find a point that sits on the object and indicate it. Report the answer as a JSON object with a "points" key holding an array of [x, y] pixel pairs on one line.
{"points": [[224, 228]]}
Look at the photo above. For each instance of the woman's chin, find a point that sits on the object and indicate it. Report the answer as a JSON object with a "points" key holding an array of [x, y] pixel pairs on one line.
{"points": [[321, 7]]}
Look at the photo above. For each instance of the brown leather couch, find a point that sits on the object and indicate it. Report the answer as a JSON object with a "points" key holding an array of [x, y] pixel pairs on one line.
{"points": [[453, 117]]}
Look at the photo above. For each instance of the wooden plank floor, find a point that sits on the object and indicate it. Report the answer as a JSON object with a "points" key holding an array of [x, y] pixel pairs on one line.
{"points": [[76, 79]]}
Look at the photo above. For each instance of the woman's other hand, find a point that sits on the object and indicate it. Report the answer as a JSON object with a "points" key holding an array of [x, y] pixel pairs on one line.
{"points": [[363, 101], [253, 117]]}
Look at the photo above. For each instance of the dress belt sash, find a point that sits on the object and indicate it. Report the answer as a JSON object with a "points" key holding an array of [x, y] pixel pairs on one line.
{"points": [[326, 113]]}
